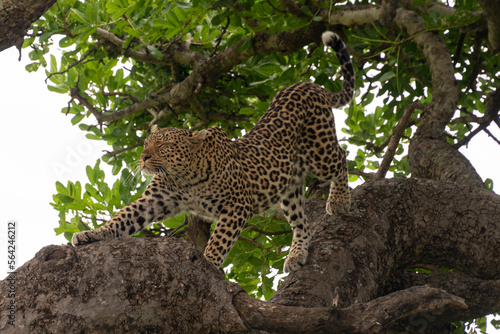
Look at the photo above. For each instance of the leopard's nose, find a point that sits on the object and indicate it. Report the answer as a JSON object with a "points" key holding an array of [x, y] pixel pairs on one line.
{"points": [[145, 156]]}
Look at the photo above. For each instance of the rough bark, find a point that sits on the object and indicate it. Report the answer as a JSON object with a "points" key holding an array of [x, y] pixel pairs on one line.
{"points": [[396, 224], [491, 9], [16, 17], [354, 273], [429, 152], [430, 156]]}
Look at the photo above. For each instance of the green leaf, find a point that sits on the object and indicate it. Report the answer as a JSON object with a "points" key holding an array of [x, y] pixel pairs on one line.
{"points": [[91, 174], [155, 52], [306, 11], [125, 195], [219, 19], [65, 198], [246, 45], [489, 184], [132, 32], [79, 16], [119, 13], [183, 5], [386, 76], [61, 88], [77, 118]]}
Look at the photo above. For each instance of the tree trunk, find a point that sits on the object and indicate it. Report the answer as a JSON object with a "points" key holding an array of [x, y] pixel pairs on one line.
{"points": [[354, 280]]}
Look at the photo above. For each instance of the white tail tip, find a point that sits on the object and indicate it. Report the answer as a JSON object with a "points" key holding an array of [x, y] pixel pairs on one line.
{"points": [[328, 36]]}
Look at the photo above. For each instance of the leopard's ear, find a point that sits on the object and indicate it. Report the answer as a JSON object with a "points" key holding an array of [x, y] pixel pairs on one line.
{"points": [[198, 137], [154, 128]]}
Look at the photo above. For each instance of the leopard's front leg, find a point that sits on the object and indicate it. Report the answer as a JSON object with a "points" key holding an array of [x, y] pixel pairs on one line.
{"points": [[226, 233], [155, 204]]}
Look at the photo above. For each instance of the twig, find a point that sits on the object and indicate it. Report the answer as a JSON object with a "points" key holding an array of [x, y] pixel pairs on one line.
{"points": [[80, 61], [258, 230], [148, 233], [255, 243], [378, 148], [175, 53], [490, 115], [184, 223], [200, 110], [75, 94], [127, 95], [492, 136], [367, 176], [275, 8], [394, 141], [121, 150], [219, 39], [99, 219], [84, 224]]}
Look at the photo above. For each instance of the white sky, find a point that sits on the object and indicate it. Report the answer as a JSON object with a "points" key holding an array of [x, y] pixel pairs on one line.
{"points": [[35, 137], [38, 146]]}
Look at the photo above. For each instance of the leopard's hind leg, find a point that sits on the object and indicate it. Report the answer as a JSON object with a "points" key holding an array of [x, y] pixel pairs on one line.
{"points": [[339, 199], [325, 158], [292, 203]]}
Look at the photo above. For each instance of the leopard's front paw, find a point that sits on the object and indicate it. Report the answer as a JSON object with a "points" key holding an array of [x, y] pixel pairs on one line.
{"points": [[83, 238], [338, 204], [295, 261]]}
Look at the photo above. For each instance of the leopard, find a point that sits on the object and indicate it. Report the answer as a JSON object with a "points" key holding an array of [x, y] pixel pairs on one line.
{"points": [[230, 181]]}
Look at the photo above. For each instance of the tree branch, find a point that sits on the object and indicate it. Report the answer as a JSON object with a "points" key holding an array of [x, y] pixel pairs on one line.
{"points": [[445, 91], [490, 10], [261, 231], [208, 70], [368, 317], [475, 292], [75, 94], [255, 243], [490, 114], [124, 149], [394, 140], [174, 53]]}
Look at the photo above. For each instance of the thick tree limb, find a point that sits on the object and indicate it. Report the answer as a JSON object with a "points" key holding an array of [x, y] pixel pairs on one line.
{"points": [[491, 10], [395, 223], [369, 317], [429, 152], [16, 17], [351, 16], [445, 92], [165, 284], [476, 292]]}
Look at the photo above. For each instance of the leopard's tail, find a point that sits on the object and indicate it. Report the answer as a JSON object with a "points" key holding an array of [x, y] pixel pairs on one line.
{"points": [[345, 95]]}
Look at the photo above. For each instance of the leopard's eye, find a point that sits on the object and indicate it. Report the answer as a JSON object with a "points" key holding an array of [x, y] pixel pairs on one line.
{"points": [[165, 145]]}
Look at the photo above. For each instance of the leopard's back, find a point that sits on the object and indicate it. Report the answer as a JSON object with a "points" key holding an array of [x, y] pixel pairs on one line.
{"points": [[296, 135]]}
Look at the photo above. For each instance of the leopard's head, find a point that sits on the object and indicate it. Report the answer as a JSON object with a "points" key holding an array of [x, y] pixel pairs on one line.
{"points": [[172, 152]]}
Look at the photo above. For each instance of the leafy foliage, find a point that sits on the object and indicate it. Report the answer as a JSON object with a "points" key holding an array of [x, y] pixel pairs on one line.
{"points": [[121, 53]]}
